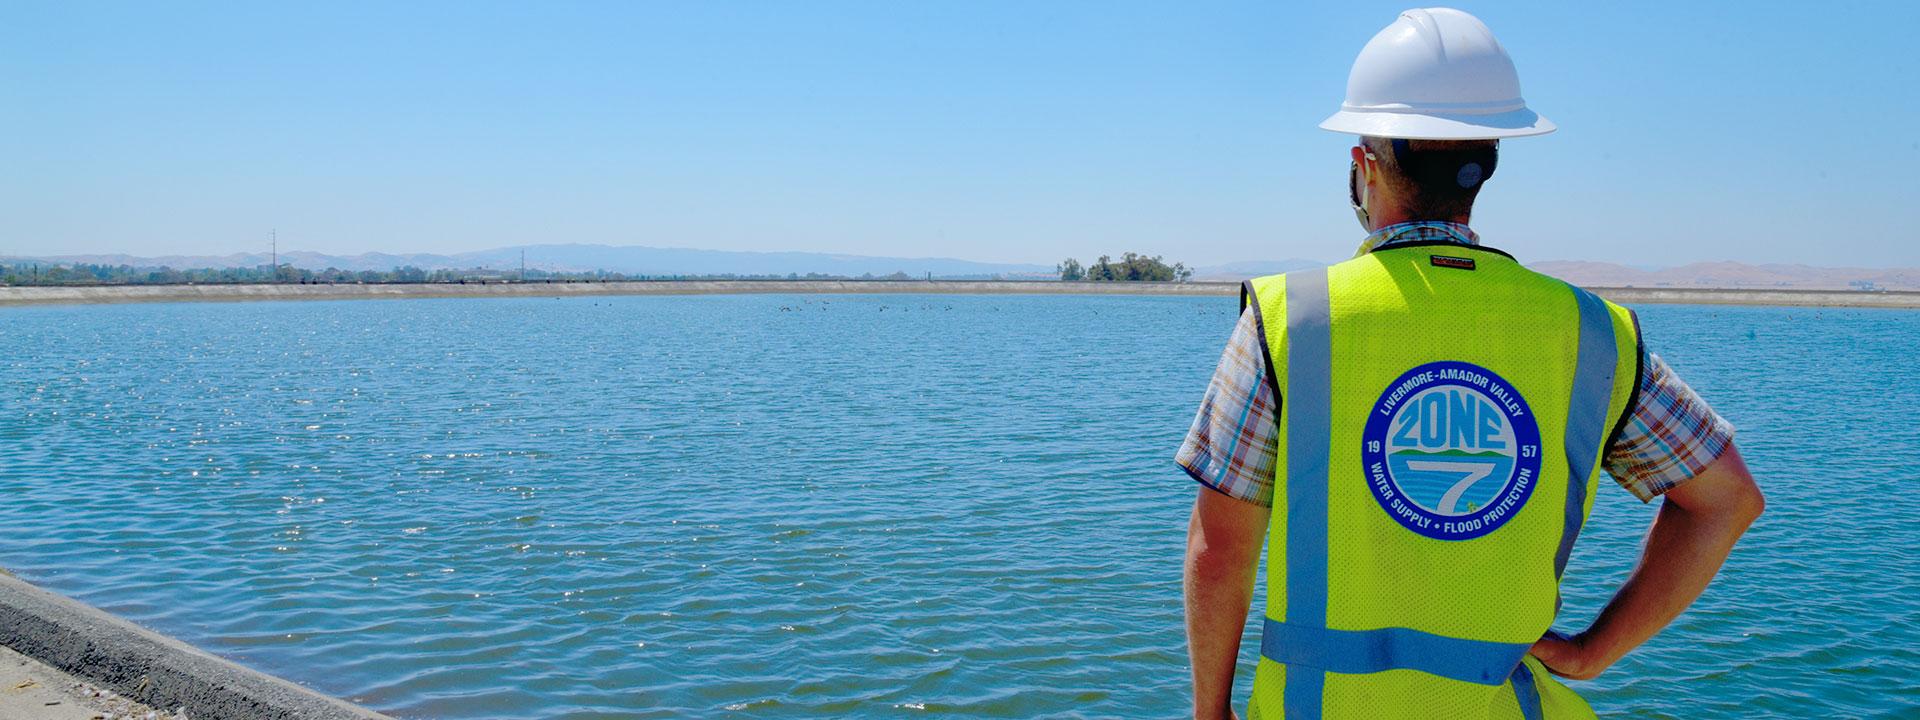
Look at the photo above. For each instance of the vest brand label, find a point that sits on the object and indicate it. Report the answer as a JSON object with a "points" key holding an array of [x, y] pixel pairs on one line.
{"points": [[1451, 450], [1449, 261]]}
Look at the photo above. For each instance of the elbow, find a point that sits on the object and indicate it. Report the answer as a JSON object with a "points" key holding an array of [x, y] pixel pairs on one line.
{"points": [[1724, 492], [1750, 505], [1739, 507]]}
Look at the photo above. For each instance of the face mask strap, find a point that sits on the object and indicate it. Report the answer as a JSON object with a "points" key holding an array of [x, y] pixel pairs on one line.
{"points": [[1353, 184], [1356, 189], [1355, 196]]}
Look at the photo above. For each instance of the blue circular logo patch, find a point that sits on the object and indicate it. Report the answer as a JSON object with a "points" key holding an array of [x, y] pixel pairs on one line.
{"points": [[1451, 450]]}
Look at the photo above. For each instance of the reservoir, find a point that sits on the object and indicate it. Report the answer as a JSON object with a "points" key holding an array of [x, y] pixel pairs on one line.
{"points": [[867, 506]]}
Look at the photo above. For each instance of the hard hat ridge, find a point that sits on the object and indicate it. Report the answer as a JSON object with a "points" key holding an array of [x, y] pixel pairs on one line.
{"points": [[1435, 74]]}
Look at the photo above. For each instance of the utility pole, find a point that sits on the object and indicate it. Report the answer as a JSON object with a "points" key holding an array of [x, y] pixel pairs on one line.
{"points": [[523, 265], [275, 234]]}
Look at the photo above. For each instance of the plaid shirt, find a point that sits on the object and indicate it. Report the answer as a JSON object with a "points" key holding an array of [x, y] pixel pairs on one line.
{"points": [[1671, 436]]}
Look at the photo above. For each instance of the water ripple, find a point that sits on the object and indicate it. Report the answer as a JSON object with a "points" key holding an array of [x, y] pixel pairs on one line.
{"points": [[876, 507]]}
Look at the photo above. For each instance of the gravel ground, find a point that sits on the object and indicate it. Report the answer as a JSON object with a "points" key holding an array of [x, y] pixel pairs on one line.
{"points": [[30, 690]]}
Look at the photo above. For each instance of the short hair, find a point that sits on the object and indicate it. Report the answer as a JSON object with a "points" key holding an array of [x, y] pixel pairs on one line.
{"points": [[1433, 175]]}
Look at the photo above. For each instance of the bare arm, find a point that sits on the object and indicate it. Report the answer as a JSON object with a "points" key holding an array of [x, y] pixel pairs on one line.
{"points": [[1223, 549], [1691, 537]]}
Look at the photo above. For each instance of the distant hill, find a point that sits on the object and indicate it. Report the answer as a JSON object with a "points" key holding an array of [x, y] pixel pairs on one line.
{"points": [[629, 259], [1733, 275], [1724, 275]]}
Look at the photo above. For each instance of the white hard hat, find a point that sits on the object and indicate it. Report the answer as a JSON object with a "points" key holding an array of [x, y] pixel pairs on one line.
{"points": [[1435, 74]]}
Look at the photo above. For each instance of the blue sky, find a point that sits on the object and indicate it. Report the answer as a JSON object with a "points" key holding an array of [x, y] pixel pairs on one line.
{"points": [[1017, 131]]}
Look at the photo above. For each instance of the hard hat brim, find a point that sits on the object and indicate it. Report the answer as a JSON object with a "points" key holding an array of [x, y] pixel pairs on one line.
{"points": [[1433, 126]]}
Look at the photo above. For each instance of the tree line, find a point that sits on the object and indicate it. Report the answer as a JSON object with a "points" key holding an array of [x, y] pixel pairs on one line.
{"points": [[1133, 267], [101, 274]]}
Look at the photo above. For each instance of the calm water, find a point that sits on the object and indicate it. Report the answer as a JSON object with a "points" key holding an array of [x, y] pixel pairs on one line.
{"points": [[828, 506]]}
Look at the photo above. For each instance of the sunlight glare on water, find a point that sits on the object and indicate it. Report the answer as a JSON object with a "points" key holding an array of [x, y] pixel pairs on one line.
{"points": [[827, 506]]}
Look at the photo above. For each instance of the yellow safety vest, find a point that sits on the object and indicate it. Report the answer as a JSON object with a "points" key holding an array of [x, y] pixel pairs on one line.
{"points": [[1443, 413]]}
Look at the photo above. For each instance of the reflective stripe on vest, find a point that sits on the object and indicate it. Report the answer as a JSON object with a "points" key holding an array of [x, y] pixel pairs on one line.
{"points": [[1586, 414], [1302, 643], [1526, 693], [1370, 651], [1310, 397]]}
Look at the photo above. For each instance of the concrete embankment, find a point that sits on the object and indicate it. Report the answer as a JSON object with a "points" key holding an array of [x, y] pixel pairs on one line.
{"points": [[1791, 298], [190, 293], [215, 293], [110, 657]]}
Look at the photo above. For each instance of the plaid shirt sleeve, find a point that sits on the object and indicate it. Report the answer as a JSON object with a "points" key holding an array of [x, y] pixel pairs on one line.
{"points": [[1231, 445], [1670, 437]]}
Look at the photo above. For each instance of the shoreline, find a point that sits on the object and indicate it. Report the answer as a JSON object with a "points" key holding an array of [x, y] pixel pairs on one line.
{"points": [[105, 294], [75, 657]]}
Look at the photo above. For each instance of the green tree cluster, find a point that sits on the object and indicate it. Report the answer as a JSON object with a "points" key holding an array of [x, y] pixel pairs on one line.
{"points": [[1132, 267], [1071, 271]]}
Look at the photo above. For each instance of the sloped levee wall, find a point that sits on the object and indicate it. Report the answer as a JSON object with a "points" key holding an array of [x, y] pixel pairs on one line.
{"points": [[148, 667], [216, 293], [188, 293], [1792, 298]]}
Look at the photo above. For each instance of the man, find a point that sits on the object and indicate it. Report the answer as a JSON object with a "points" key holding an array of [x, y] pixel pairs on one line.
{"points": [[1416, 434]]}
